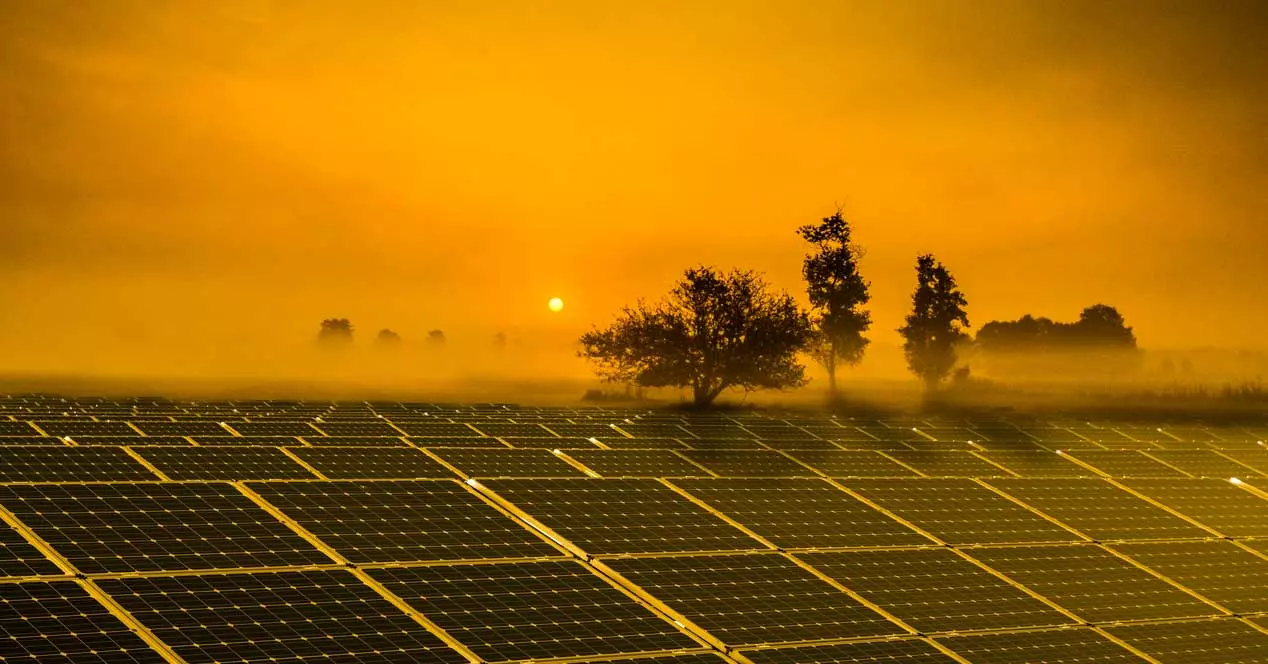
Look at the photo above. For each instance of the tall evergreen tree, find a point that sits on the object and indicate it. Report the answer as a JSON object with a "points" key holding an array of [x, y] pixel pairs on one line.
{"points": [[837, 294], [936, 322]]}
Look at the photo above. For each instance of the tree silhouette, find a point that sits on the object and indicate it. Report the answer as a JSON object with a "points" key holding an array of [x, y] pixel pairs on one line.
{"points": [[837, 293], [436, 337], [712, 332], [1100, 327], [387, 339], [335, 332], [935, 324]]}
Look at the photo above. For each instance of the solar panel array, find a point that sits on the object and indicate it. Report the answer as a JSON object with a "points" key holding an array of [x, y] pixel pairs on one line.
{"points": [[150, 530]]}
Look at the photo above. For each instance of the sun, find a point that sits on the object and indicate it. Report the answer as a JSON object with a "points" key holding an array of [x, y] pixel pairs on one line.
{"points": [[555, 304]]}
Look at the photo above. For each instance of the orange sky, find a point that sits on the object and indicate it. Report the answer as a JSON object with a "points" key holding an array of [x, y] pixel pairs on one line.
{"points": [[188, 175]]}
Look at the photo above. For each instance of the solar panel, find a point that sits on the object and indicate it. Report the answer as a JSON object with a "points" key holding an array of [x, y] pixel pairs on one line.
{"points": [[801, 513], [736, 463], [508, 463], [1219, 571], [1037, 463], [76, 429], [21, 429], [222, 463], [1099, 509], [910, 651], [637, 463], [724, 444], [1193, 434], [1218, 504], [31, 440], [755, 599], [637, 430], [58, 621], [355, 441], [642, 443], [532, 610], [19, 557], [949, 464], [47, 463], [935, 590], [1125, 463], [800, 444], [523, 430], [371, 462], [149, 527], [182, 429], [245, 441], [1206, 642], [582, 430], [1256, 459], [613, 516], [1063, 646], [403, 521], [851, 463], [122, 440], [277, 616], [959, 511], [476, 442], [550, 443], [687, 658], [380, 429], [1093, 583], [437, 430], [289, 429]]}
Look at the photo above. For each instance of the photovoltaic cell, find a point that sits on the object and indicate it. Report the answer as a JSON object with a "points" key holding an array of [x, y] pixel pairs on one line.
{"points": [[1219, 571], [802, 514], [1099, 509], [557, 443], [613, 516], [58, 621], [17, 429], [532, 610], [637, 463], [355, 441], [404, 521], [1064, 646], [908, 651], [474, 442], [379, 429], [182, 429], [691, 658], [371, 462], [935, 590], [642, 443], [46, 463], [1206, 642], [747, 600], [149, 527], [1093, 583], [246, 441], [1232, 511], [959, 511], [1204, 463], [221, 463], [75, 429], [518, 429], [277, 616]]}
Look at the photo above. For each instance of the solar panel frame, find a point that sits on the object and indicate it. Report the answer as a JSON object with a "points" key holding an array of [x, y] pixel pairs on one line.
{"points": [[64, 463], [1218, 504], [1098, 509], [349, 463], [637, 463], [1196, 642], [491, 463], [1061, 646], [909, 651], [1220, 571], [746, 463], [223, 463]]}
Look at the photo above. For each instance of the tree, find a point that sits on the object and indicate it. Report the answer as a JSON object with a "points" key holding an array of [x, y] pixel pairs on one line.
{"points": [[1102, 325], [837, 293], [713, 332], [935, 325], [387, 339], [335, 332], [436, 337]]}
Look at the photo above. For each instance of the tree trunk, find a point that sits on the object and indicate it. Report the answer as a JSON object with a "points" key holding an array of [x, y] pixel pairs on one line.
{"points": [[832, 373]]}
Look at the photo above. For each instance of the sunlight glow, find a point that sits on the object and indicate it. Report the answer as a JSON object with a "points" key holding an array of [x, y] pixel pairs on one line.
{"points": [[555, 304]]}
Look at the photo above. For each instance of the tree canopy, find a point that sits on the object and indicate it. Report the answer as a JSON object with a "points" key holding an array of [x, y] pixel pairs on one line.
{"points": [[1100, 327], [713, 332], [335, 331], [837, 294], [936, 323]]}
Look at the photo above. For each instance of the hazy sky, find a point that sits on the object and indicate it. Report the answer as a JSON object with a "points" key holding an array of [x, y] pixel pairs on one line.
{"points": [[234, 171]]}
